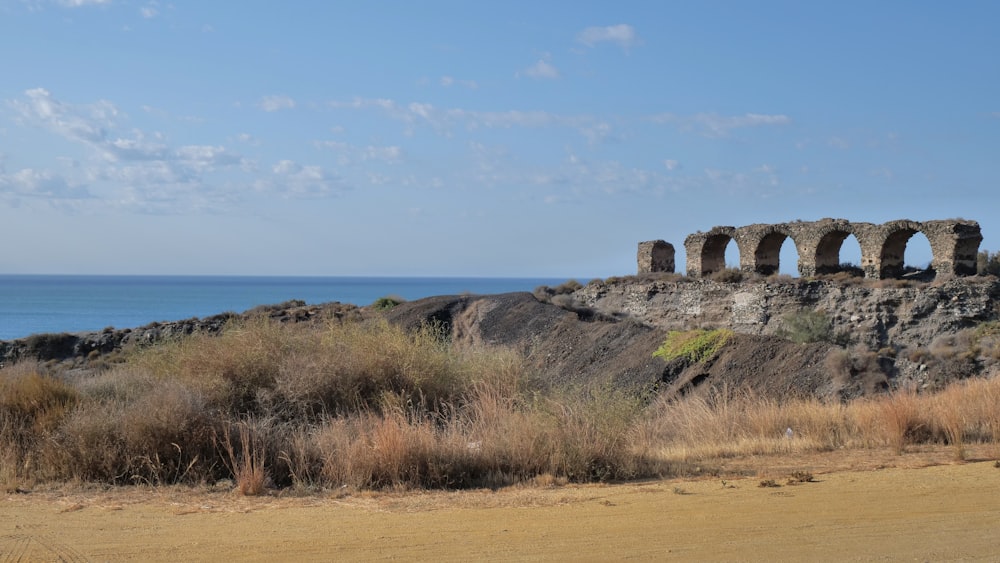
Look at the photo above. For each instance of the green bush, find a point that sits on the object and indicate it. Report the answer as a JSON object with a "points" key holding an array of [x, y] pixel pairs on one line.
{"points": [[806, 326], [387, 302], [695, 346], [988, 263]]}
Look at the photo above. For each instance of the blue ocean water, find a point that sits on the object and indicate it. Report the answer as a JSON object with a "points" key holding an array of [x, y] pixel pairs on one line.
{"points": [[31, 304]]}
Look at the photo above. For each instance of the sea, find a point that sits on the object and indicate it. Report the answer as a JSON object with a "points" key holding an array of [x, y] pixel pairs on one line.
{"points": [[32, 304]]}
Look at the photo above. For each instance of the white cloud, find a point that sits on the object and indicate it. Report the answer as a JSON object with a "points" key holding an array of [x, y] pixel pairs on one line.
{"points": [[206, 158], [762, 181], [348, 153], [597, 132], [248, 139], [769, 174], [386, 154], [715, 125], [448, 81], [136, 148], [276, 103], [883, 172], [87, 123], [443, 120], [671, 164], [389, 107], [135, 163], [839, 143], [79, 3], [149, 11], [542, 69], [41, 184], [608, 178], [296, 180], [622, 34]]}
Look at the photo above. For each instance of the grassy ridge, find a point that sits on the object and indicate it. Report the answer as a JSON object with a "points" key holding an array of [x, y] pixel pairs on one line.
{"points": [[368, 405]]}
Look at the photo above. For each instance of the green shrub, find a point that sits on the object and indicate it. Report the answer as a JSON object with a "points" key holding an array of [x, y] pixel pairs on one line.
{"points": [[695, 346], [806, 326], [387, 302], [988, 263]]}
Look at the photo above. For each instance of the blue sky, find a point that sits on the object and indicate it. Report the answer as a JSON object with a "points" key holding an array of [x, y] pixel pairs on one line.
{"points": [[478, 139]]}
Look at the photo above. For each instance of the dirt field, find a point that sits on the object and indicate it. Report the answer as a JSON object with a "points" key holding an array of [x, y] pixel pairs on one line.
{"points": [[871, 512]]}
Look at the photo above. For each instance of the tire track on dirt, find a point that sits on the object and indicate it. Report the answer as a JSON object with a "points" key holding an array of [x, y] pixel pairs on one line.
{"points": [[22, 548]]}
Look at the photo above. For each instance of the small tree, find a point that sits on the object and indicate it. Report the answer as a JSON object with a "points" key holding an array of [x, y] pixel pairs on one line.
{"points": [[988, 263]]}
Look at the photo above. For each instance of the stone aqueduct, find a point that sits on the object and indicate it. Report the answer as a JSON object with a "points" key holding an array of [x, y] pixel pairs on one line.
{"points": [[954, 245]]}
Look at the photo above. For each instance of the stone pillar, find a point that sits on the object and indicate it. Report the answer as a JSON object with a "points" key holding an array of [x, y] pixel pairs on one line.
{"points": [[655, 256], [870, 238]]}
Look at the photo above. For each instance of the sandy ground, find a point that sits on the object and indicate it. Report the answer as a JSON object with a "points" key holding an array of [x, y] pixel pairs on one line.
{"points": [[869, 513]]}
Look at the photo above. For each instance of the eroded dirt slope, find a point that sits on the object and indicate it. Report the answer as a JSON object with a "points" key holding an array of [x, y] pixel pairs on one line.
{"points": [[582, 347]]}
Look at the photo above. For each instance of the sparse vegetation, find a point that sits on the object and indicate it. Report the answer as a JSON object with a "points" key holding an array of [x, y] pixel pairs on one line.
{"points": [[544, 292], [988, 263], [369, 405], [695, 346], [806, 326], [387, 302], [728, 275], [851, 269], [801, 477]]}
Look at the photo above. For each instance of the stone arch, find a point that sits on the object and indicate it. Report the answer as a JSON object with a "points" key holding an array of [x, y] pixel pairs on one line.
{"points": [[828, 250], [713, 253], [820, 243], [706, 252], [954, 245], [893, 247], [764, 242]]}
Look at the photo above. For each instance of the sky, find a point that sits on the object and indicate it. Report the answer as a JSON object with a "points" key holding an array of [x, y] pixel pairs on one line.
{"points": [[494, 139]]}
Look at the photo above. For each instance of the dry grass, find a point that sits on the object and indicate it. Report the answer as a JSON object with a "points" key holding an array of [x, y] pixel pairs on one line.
{"points": [[363, 406], [246, 460], [740, 424]]}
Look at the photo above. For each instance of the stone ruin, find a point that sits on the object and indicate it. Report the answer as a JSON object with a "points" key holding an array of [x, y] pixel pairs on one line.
{"points": [[954, 245]]}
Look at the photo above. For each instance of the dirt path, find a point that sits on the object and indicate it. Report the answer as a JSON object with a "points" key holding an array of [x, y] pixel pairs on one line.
{"points": [[941, 513]]}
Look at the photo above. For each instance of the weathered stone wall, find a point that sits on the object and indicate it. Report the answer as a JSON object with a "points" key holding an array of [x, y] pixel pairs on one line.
{"points": [[954, 244], [875, 317]]}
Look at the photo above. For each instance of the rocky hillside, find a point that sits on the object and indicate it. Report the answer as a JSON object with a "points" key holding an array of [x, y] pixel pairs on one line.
{"points": [[78, 350], [898, 314], [873, 336]]}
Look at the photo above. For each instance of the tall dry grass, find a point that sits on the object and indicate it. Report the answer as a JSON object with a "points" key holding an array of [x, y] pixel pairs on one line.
{"points": [[369, 405], [739, 423]]}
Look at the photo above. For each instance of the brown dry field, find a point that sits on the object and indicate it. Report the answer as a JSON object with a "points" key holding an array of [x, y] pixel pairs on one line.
{"points": [[866, 505]]}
